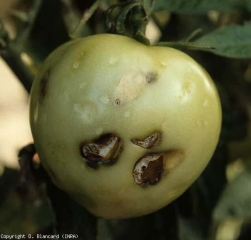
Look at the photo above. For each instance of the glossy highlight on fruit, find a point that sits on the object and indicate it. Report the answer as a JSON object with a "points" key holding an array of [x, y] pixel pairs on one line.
{"points": [[122, 127]]}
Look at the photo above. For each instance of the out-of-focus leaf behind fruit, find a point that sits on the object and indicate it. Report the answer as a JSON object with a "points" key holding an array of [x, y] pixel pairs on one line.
{"points": [[17, 215], [235, 201], [199, 7], [229, 41], [48, 31]]}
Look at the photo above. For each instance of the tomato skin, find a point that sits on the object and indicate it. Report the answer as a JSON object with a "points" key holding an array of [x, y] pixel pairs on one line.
{"points": [[106, 107]]}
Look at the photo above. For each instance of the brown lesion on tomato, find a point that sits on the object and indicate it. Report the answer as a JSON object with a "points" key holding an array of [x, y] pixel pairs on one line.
{"points": [[151, 77], [148, 169], [102, 151], [148, 142], [44, 85], [152, 167]]}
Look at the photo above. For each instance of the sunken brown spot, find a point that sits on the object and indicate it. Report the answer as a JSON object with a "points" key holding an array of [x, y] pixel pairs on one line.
{"points": [[103, 151], [151, 77], [149, 141], [44, 85], [149, 169]]}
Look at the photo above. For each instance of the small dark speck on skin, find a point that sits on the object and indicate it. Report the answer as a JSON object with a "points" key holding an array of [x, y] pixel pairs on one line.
{"points": [[151, 77], [44, 85], [117, 102]]}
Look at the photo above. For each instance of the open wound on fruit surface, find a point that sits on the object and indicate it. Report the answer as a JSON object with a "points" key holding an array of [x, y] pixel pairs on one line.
{"points": [[149, 141], [148, 169], [152, 167], [102, 151], [44, 85]]}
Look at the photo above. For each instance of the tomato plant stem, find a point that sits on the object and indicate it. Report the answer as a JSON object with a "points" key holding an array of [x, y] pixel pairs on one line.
{"points": [[86, 16]]}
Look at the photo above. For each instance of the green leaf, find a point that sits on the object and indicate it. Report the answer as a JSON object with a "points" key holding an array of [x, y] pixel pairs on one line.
{"points": [[185, 45], [235, 201], [230, 41], [199, 6]]}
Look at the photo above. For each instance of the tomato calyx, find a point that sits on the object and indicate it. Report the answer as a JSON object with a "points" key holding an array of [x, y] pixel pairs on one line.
{"points": [[131, 19]]}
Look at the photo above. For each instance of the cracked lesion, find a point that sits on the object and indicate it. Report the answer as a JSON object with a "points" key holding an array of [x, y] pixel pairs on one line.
{"points": [[152, 167], [148, 142], [102, 151], [148, 169]]}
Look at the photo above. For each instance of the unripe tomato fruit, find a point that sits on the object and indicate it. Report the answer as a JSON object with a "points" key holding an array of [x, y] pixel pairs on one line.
{"points": [[122, 127]]}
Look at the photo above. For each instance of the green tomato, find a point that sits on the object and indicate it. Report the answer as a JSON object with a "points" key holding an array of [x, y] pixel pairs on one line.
{"points": [[122, 127]]}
